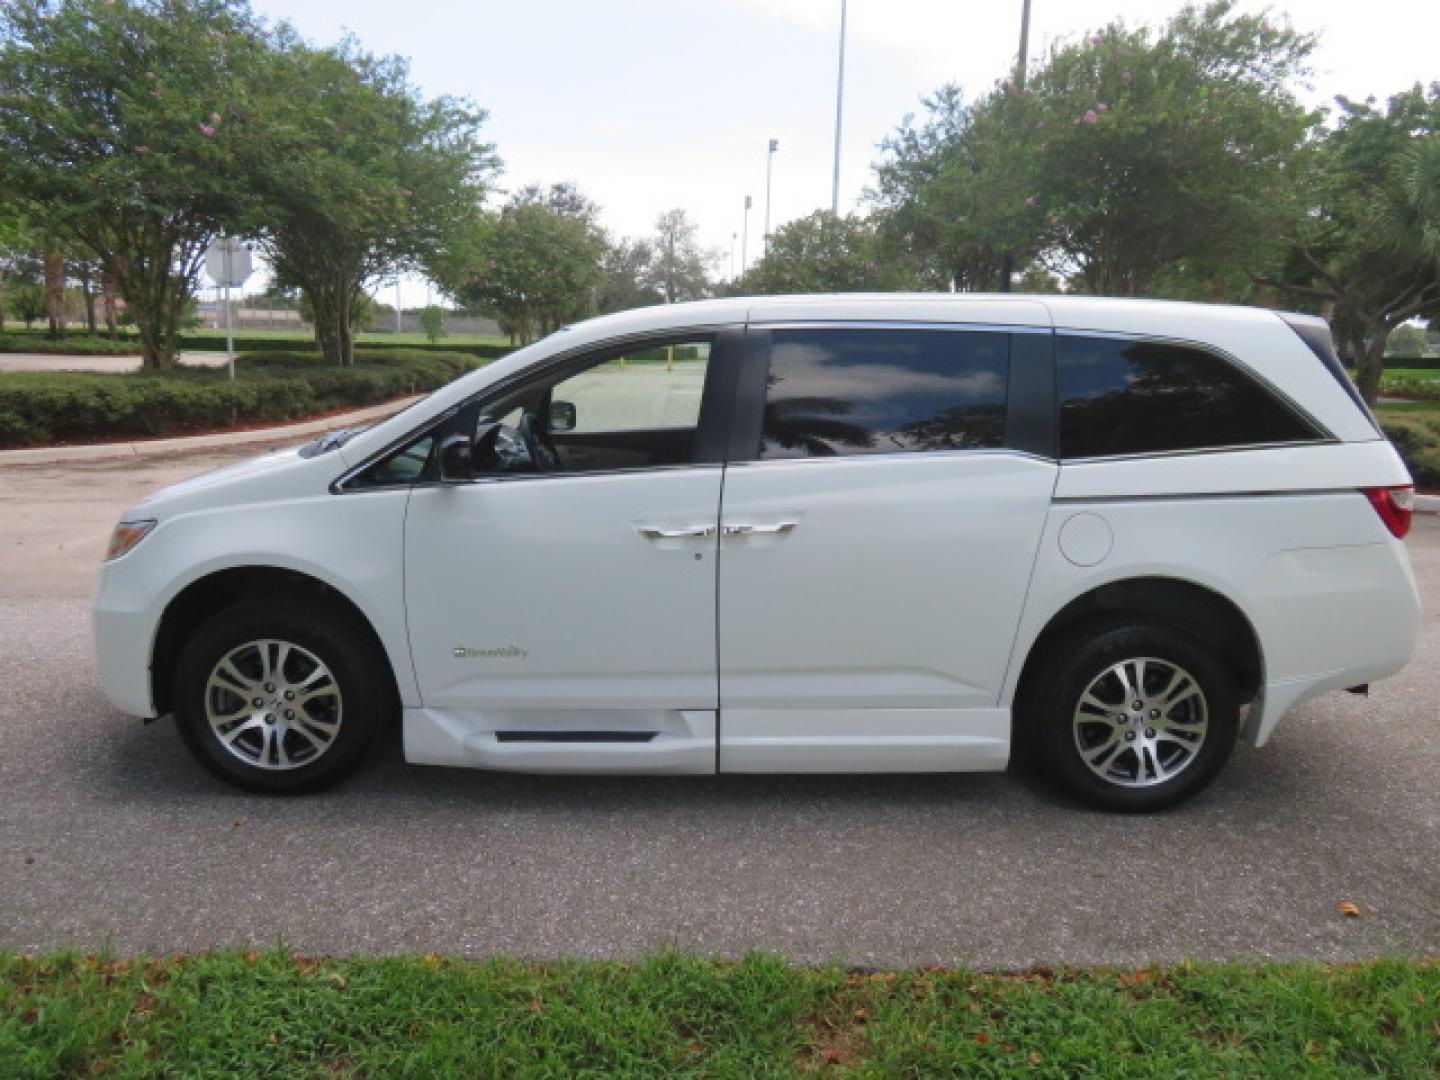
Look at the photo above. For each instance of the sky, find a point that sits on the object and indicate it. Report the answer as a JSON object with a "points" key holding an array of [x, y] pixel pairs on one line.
{"points": [[654, 104]]}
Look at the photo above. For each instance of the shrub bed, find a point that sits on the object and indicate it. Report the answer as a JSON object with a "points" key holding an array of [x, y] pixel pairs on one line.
{"points": [[97, 407], [84, 343], [1419, 389], [1417, 437], [209, 342], [70, 345]]}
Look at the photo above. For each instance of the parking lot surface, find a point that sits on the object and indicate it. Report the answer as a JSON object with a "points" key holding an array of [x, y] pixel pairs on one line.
{"points": [[110, 836]]}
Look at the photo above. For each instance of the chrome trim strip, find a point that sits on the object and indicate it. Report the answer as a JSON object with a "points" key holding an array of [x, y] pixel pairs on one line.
{"points": [[1107, 459], [894, 455], [1075, 500], [906, 324], [513, 478]]}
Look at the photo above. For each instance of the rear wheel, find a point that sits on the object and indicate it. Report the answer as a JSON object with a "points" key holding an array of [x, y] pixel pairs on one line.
{"points": [[1132, 715], [276, 698]]}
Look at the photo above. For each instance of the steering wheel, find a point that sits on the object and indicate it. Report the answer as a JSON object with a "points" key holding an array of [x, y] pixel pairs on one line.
{"points": [[537, 444]]}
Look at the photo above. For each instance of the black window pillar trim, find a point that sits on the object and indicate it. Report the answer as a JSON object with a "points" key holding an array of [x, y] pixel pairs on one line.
{"points": [[1031, 412], [752, 372]]}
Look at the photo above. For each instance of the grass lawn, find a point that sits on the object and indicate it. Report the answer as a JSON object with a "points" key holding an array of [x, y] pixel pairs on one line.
{"points": [[282, 1015]]}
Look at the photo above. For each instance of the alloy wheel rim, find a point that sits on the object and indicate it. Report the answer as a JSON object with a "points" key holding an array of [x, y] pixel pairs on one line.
{"points": [[273, 704], [1141, 722]]}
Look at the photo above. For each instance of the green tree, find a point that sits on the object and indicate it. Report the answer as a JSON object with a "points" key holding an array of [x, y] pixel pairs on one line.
{"points": [[625, 276], [1367, 249], [26, 300], [823, 252], [432, 322], [359, 176], [1128, 154], [678, 264], [119, 125], [534, 265], [1407, 341], [945, 192]]}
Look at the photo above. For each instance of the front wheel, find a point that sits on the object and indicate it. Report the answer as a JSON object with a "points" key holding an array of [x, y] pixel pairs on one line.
{"points": [[277, 698], [1133, 715]]}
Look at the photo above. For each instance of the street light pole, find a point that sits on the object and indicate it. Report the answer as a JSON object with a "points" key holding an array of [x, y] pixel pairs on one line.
{"points": [[733, 237], [1007, 261], [769, 168], [839, 114], [745, 237], [229, 329]]}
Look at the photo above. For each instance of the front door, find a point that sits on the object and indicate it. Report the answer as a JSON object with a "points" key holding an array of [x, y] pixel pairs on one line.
{"points": [[561, 605], [875, 553]]}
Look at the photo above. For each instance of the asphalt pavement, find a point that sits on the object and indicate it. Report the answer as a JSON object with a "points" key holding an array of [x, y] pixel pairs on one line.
{"points": [[111, 838]]}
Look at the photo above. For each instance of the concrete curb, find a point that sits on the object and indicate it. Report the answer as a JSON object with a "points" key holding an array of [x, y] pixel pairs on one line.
{"points": [[260, 438]]}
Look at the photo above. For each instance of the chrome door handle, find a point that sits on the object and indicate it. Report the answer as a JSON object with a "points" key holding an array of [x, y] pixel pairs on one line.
{"points": [[758, 530], [685, 532]]}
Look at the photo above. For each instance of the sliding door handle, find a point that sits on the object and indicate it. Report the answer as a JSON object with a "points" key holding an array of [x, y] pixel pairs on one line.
{"points": [[684, 532], [778, 527]]}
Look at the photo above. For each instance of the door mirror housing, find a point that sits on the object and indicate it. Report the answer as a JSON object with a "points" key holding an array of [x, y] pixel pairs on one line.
{"points": [[456, 459], [562, 416]]}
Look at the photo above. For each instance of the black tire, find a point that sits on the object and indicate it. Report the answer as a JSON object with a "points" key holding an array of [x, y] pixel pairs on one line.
{"points": [[357, 667], [1134, 781]]}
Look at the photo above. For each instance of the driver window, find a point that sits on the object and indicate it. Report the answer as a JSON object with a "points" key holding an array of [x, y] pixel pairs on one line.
{"points": [[630, 410]]}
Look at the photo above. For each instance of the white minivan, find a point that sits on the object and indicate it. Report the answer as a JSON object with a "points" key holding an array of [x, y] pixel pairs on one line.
{"points": [[793, 534]]}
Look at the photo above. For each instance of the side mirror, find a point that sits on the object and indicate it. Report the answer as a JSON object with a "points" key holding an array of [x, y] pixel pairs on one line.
{"points": [[562, 416], [455, 459]]}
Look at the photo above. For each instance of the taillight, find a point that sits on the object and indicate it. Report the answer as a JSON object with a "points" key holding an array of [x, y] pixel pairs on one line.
{"points": [[1395, 505]]}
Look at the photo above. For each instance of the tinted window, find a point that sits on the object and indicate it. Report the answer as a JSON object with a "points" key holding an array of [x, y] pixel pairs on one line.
{"points": [[837, 392], [1139, 397]]}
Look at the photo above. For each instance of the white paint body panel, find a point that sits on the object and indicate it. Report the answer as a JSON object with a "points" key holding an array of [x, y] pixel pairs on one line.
{"points": [[556, 569], [887, 631], [889, 610]]}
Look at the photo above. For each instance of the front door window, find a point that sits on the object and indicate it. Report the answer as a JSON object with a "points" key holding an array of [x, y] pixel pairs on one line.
{"points": [[631, 409]]}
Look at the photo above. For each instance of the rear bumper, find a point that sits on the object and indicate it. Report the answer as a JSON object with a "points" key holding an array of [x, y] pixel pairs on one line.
{"points": [[1331, 618]]}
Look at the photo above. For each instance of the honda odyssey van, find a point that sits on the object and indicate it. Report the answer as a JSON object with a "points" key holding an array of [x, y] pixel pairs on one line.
{"points": [[798, 534]]}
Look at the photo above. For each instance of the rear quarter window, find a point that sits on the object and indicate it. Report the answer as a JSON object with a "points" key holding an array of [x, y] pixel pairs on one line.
{"points": [[1146, 397]]}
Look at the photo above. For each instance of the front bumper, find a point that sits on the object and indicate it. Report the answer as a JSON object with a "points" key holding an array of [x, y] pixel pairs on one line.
{"points": [[123, 631]]}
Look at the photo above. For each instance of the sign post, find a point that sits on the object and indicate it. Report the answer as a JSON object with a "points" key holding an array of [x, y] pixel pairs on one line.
{"points": [[228, 264]]}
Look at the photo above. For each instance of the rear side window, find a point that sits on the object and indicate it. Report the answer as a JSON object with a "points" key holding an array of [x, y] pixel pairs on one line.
{"points": [[835, 392], [1145, 397]]}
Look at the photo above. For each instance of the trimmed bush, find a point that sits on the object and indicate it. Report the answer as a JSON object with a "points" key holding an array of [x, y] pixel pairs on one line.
{"points": [[83, 343], [71, 345], [1418, 389], [211, 342], [1417, 438], [96, 407]]}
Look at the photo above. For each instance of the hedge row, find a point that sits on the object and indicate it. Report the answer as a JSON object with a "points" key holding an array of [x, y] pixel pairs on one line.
{"points": [[1417, 437], [95, 407], [85, 344], [73, 345], [1418, 389]]}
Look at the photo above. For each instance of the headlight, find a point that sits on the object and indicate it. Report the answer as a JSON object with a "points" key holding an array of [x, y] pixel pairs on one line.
{"points": [[126, 535]]}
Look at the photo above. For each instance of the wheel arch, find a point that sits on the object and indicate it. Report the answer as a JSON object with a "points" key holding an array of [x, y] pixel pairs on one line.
{"points": [[210, 592], [1203, 612]]}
